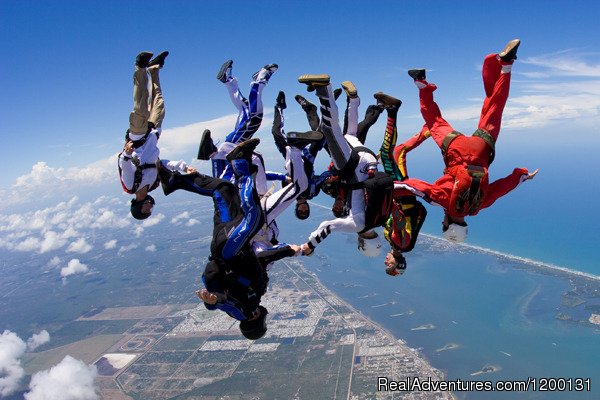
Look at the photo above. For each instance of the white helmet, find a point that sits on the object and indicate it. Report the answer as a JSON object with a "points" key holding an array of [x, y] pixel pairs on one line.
{"points": [[370, 247], [456, 233]]}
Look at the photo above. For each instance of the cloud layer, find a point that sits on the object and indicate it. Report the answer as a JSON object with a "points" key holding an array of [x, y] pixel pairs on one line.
{"points": [[12, 348]]}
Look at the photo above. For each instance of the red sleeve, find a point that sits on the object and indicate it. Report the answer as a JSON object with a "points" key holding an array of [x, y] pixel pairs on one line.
{"points": [[401, 150], [437, 193], [502, 186]]}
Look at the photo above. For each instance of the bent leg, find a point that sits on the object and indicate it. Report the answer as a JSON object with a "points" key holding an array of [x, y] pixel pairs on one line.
{"points": [[138, 119]]}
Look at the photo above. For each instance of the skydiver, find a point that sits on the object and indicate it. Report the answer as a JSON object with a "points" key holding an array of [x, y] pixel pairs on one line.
{"points": [[408, 214], [235, 277], [250, 115], [464, 188], [137, 161], [355, 162]]}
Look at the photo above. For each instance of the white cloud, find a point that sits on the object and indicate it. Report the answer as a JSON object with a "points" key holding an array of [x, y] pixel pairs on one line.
{"points": [[151, 248], [565, 63], [192, 222], [51, 241], [153, 220], [12, 348], [37, 340], [125, 249], [69, 222], [180, 216], [73, 267], [33, 185], [546, 89], [54, 262], [70, 379], [138, 231], [111, 244], [29, 244], [79, 246]]}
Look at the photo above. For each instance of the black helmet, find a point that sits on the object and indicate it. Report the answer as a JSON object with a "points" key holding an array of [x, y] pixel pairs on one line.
{"points": [[302, 214], [136, 207], [256, 328]]}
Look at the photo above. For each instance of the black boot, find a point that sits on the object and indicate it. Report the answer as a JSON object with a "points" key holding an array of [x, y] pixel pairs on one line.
{"points": [[207, 146], [243, 150], [417, 74], [142, 59], [224, 73], [159, 59], [509, 53], [301, 139]]}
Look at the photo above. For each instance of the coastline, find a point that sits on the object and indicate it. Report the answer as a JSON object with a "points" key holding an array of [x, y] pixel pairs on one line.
{"points": [[512, 257]]}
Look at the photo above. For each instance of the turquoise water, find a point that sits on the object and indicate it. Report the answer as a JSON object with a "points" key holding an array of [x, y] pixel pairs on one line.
{"points": [[496, 313]]}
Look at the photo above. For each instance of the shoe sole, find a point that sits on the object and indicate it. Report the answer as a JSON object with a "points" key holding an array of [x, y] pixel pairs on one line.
{"points": [[239, 149], [223, 70], [315, 80], [510, 47], [309, 135], [159, 59], [386, 99], [349, 88], [417, 74]]}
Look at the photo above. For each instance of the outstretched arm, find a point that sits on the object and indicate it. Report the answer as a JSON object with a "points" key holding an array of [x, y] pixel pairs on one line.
{"points": [[503, 186]]}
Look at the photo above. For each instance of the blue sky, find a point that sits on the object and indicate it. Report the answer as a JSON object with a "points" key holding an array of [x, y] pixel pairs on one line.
{"points": [[67, 66]]}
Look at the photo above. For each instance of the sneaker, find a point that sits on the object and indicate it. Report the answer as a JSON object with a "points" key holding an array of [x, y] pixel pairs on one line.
{"points": [[417, 74], [225, 72], [350, 89], [243, 150], [265, 73], [336, 93], [509, 53], [142, 59], [301, 139], [280, 102], [159, 59], [313, 81], [387, 101], [207, 147]]}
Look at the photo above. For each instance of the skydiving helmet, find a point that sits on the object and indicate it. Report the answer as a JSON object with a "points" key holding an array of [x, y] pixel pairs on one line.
{"points": [[256, 328], [137, 207], [370, 247], [455, 232]]}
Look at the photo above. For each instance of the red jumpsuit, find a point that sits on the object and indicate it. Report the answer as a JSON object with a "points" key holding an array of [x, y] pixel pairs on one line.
{"points": [[452, 190]]}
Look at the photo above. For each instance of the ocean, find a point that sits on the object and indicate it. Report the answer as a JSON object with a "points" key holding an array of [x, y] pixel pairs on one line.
{"points": [[470, 310]]}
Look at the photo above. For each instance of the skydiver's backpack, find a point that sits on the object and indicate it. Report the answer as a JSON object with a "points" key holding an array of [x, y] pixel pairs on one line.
{"points": [[414, 215], [379, 197], [467, 194], [378, 188]]}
